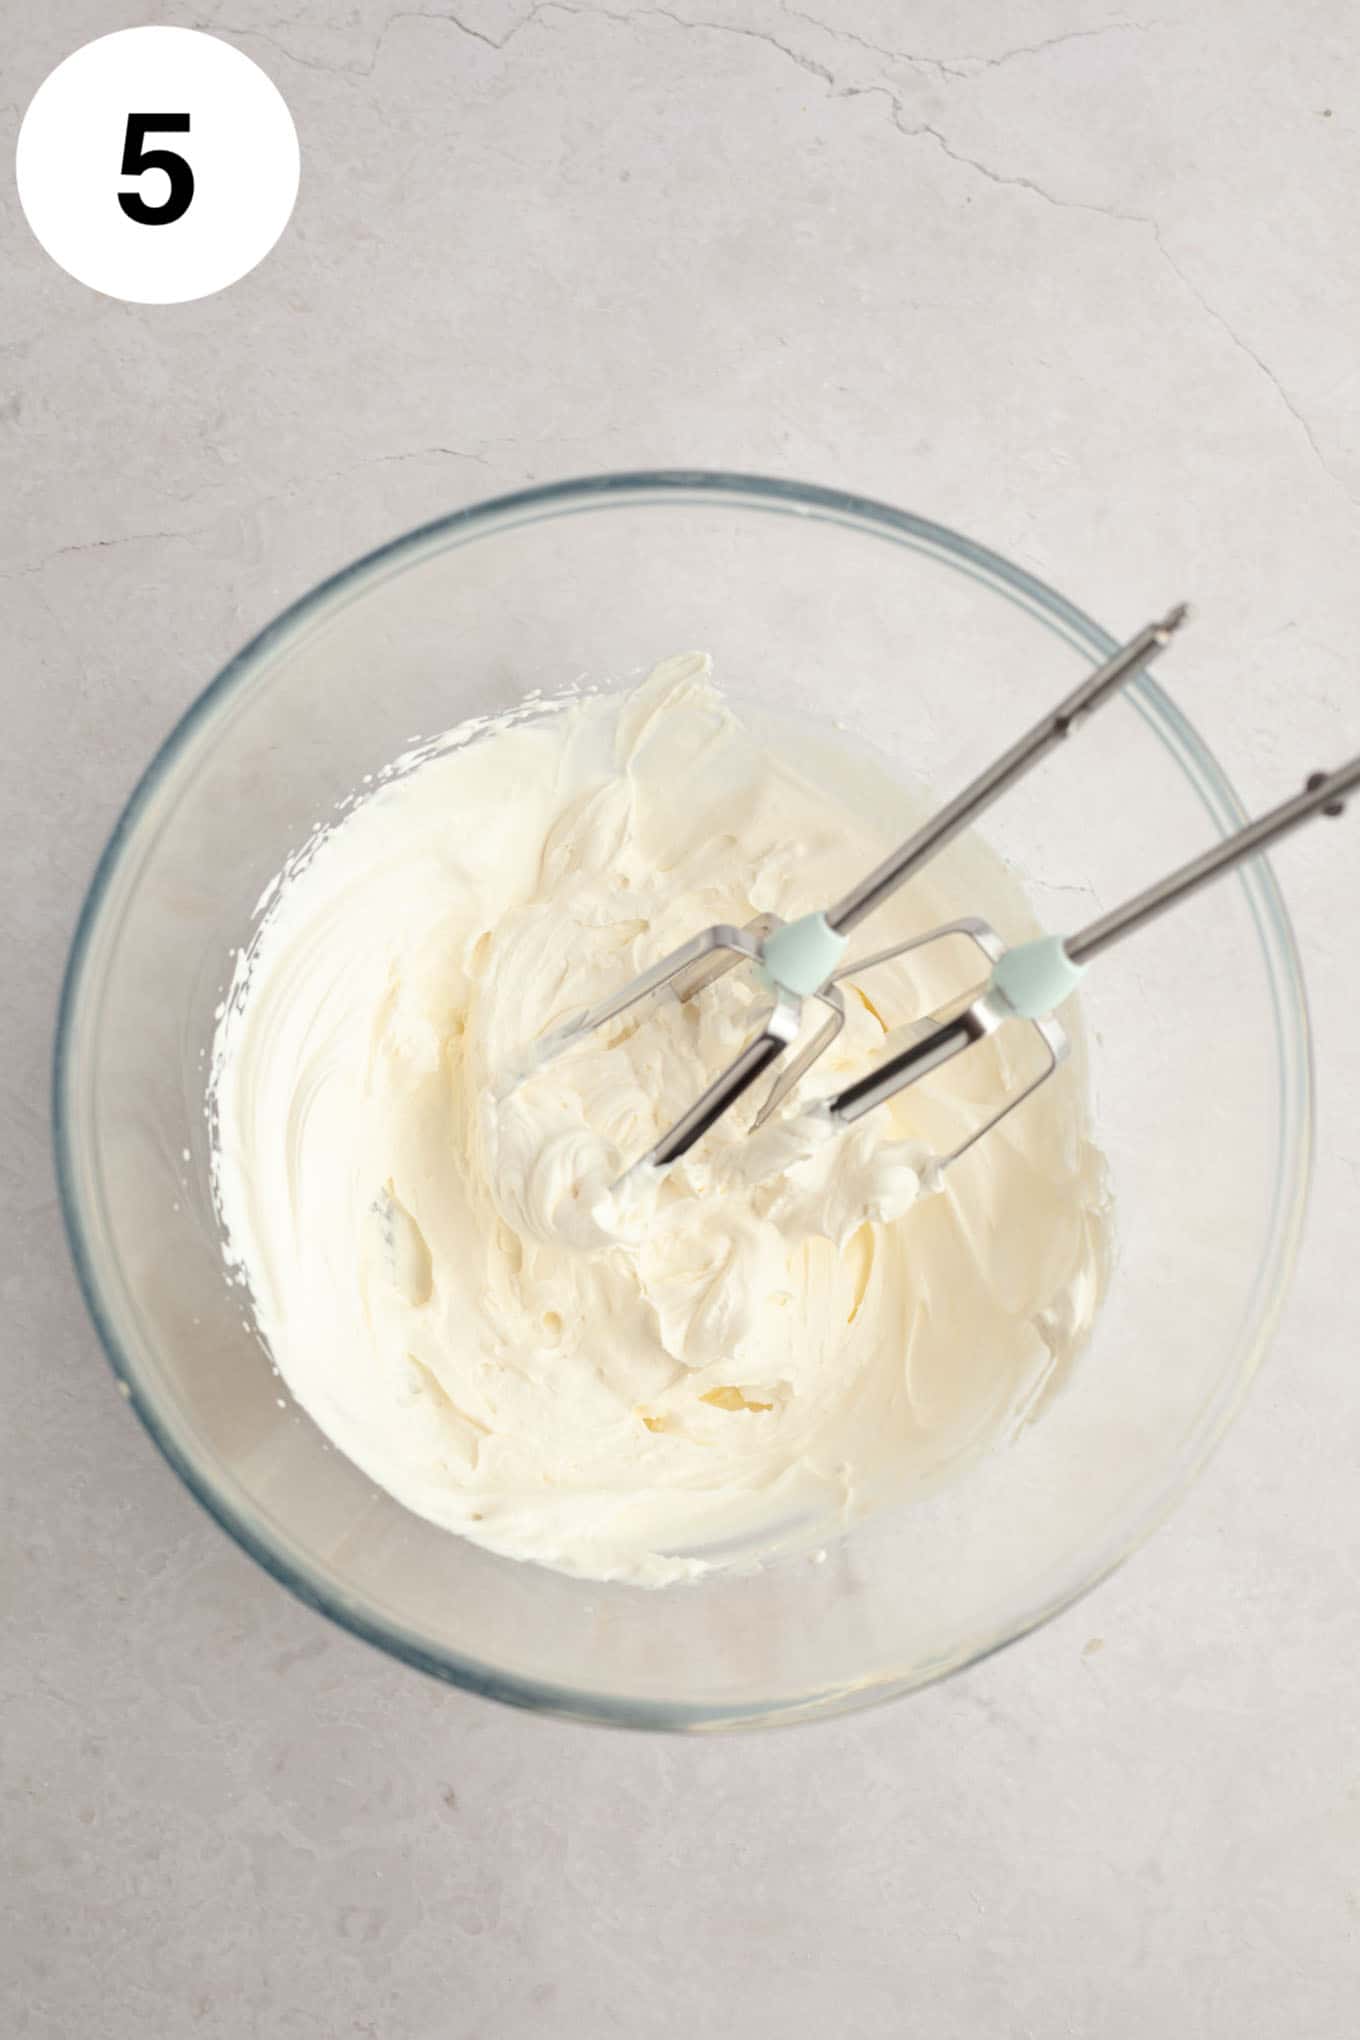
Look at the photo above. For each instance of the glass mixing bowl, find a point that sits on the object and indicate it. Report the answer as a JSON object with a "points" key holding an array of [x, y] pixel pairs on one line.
{"points": [[936, 652]]}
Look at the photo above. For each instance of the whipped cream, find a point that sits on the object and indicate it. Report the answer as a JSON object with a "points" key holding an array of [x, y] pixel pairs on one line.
{"points": [[641, 1379]]}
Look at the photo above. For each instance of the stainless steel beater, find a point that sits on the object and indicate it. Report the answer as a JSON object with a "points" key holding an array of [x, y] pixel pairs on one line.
{"points": [[1029, 981], [798, 960]]}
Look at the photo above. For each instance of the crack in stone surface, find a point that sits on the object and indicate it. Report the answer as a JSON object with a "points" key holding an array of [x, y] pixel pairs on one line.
{"points": [[393, 21], [977, 65], [941, 66], [1244, 347], [632, 17], [251, 509], [963, 67], [89, 545], [917, 130]]}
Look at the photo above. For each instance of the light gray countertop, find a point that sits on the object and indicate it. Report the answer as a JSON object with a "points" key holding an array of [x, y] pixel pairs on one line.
{"points": [[1085, 286]]}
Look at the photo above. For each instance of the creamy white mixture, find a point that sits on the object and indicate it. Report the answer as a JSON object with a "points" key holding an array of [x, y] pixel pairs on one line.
{"points": [[771, 1338]]}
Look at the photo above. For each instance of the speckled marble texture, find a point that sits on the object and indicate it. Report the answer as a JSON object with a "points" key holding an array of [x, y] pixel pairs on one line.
{"points": [[1084, 284]]}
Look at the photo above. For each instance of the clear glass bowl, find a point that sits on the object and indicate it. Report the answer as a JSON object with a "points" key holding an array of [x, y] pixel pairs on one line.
{"points": [[935, 651]]}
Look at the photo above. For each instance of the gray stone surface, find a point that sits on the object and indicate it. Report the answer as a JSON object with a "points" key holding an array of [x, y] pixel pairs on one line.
{"points": [[1086, 285]]}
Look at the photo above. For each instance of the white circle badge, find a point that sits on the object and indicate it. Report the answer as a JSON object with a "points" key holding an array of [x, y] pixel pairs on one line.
{"points": [[157, 165]]}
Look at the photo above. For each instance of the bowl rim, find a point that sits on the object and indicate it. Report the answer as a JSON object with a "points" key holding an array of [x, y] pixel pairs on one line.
{"points": [[634, 488]]}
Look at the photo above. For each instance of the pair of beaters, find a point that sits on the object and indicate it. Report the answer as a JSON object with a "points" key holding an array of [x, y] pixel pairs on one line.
{"points": [[802, 961]]}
